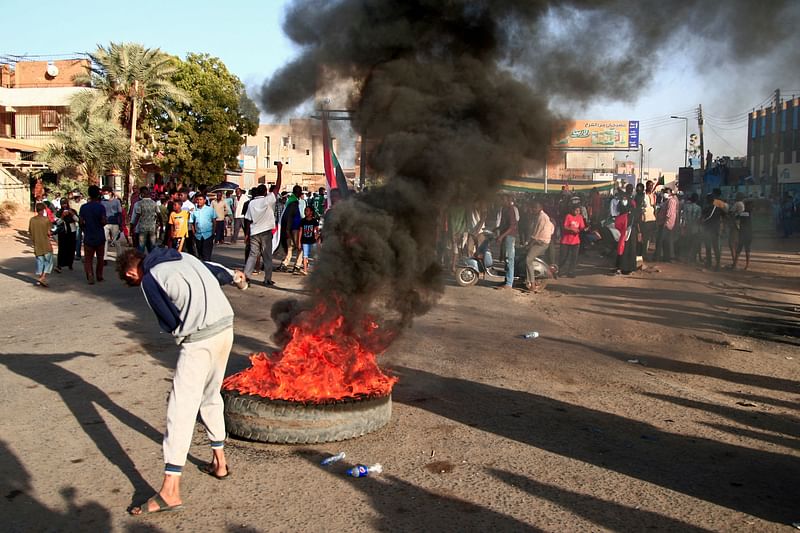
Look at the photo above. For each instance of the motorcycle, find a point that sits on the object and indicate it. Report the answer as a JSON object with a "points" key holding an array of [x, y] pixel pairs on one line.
{"points": [[482, 266]]}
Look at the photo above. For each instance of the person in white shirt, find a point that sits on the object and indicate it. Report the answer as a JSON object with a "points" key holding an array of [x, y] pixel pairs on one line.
{"points": [[261, 214], [238, 213]]}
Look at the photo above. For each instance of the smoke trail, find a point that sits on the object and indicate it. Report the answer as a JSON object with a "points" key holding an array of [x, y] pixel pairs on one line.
{"points": [[457, 94]]}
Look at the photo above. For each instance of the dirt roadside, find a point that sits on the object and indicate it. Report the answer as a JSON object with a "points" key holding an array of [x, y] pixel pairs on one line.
{"points": [[664, 400]]}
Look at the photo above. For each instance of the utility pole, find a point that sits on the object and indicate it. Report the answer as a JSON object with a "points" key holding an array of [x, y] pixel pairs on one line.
{"points": [[700, 127], [641, 164], [775, 146]]}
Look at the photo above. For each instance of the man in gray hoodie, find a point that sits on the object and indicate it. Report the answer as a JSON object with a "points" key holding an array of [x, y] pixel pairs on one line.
{"points": [[185, 295]]}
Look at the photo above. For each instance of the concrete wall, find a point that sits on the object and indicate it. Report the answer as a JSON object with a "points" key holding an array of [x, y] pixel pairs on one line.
{"points": [[14, 190]]}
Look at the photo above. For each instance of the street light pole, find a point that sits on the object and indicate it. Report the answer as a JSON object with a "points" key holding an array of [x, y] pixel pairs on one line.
{"points": [[686, 149], [641, 164]]}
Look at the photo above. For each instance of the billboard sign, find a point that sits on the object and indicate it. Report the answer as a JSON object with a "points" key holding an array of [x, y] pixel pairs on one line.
{"points": [[600, 134], [590, 160], [789, 173], [602, 176]]}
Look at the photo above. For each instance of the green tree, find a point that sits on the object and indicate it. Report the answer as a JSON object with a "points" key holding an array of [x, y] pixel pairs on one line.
{"points": [[92, 142], [206, 135], [139, 81]]}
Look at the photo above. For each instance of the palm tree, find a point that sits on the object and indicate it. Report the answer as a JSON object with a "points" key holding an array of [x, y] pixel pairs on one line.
{"points": [[139, 80], [92, 141]]}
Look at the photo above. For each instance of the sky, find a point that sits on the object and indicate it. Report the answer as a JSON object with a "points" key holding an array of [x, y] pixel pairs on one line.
{"points": [[248, 37]]}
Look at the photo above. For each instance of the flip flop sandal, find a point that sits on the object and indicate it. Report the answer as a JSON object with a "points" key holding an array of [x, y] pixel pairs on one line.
{"points": [[162, 506], [209, 469]]}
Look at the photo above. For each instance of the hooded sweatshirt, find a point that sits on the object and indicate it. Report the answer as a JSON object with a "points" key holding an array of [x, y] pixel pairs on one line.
{"points": [[185, 294]]}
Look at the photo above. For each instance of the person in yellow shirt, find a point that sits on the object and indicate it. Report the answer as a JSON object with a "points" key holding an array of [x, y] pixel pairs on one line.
{"points": [[179, 224]]}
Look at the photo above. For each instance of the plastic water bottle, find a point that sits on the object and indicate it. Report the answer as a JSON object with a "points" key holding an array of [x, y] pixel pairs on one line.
{"points": [[364, 470], [332, 459], [531, 335]]}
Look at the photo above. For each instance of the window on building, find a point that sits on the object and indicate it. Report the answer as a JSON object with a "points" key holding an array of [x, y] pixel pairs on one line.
{"points": [[294, 147], [783, 120], [753, 128], [266, 161], [763, 125], [266, 145], [285, 142], [308, 152], [48, 118], [795, 117], [774, 121]]}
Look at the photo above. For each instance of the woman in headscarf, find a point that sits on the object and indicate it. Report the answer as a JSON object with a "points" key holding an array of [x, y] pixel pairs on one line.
{"points": [[67, 232], [627, 225]]}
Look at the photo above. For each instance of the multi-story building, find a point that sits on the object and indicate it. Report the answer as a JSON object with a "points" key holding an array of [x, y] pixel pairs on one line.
{"points": [[34, 96], [773, 143], [297, 144]]}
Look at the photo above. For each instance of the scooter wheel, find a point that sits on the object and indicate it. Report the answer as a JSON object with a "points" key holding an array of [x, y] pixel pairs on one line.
{"points": [[466, 277]]}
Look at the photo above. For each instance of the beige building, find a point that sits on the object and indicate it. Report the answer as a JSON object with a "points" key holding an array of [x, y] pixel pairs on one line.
{"points": [[297, 144]]}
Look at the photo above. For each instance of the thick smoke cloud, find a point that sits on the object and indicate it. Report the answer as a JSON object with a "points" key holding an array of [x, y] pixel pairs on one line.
{"points": [[457, 95]]}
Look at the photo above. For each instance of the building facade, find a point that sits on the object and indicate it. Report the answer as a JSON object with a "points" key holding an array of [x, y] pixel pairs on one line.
{"points": [[773, 142], [34, 98], [297, 144]]}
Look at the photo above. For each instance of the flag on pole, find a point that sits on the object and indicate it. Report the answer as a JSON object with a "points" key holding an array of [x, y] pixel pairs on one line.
{"points": [[334, 175]]}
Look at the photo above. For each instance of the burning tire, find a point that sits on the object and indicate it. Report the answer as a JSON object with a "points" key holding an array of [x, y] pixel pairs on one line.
{"points": [[466, 277], [283, 422]]}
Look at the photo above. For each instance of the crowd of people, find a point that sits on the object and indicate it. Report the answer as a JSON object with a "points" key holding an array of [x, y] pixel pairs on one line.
{"points": [[631, 226], [186, 219]]}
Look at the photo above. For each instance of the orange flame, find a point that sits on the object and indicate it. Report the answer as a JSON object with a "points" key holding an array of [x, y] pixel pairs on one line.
{"points": [[321, 362]]}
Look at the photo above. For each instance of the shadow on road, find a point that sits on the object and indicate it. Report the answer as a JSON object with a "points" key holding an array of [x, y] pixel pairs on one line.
{"points": [[752, 481], [83, 399], [727, 310], [607, 514], [21, 511], [698, 369], [406, 507]]}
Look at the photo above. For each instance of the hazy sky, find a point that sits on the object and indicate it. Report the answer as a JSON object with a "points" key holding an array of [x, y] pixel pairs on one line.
{"points": [[247, 36]]}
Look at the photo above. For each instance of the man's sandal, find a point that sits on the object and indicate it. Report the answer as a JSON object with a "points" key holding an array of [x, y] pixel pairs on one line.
{"points": [[209, 469], [162, 506]]}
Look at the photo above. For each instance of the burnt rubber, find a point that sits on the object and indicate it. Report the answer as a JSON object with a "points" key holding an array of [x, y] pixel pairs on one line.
{"points": [[283, 422]]}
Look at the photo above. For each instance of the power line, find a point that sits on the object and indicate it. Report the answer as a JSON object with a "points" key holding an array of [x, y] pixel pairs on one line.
{"points": [[723, 139]]}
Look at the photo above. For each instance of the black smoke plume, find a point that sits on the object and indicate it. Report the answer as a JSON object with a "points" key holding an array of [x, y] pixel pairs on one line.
{"points": [[458, 94]]}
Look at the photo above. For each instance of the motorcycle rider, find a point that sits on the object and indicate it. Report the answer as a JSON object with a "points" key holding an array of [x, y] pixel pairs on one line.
{"points": [[541, 231]]}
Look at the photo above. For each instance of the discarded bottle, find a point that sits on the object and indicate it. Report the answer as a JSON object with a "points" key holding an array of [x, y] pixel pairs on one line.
{"points": [[332, 459], [531, 335], [364, 470]]}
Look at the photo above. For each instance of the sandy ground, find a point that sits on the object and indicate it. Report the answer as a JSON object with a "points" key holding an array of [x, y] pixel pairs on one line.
{"points": [[665, 401]]}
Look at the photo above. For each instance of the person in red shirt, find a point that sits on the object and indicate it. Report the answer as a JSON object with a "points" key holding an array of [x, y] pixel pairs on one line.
{"points": [[574, 224]]}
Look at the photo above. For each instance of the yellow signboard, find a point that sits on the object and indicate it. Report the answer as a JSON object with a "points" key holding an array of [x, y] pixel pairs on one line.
{"points": [[598, 134]]}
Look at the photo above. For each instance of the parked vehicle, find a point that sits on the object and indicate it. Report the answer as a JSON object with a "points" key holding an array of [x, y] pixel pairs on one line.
{"points": [[482, 266]]}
